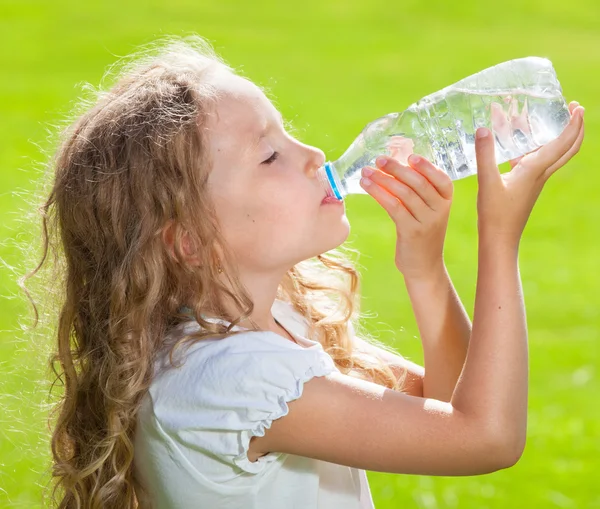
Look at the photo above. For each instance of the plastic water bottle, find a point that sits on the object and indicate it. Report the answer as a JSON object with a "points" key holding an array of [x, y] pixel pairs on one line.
{"points": [[520, 101]]}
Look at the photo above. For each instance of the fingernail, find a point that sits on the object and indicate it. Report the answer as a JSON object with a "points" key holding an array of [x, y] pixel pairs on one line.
{"points": [[482, 132], [365, 182], [367, 172], [414, 159], [381, 161]]}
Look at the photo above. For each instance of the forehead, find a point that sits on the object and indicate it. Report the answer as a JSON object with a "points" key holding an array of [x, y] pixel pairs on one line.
{"points": [[241, 112]]}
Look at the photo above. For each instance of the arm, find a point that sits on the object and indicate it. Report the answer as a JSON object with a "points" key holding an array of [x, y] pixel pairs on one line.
{"points": [[494, 382], [499, 300], [482, 429], [445, 330], [484, 425], [397, 363]]}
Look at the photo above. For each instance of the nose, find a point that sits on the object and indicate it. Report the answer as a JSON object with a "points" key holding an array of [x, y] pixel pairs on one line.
{"points": [[316, 159]]}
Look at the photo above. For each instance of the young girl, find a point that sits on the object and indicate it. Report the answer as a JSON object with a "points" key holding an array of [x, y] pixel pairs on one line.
{"points": [[206, 341]]}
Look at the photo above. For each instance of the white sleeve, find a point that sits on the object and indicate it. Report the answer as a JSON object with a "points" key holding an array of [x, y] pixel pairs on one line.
{"points": [[230, 390]]}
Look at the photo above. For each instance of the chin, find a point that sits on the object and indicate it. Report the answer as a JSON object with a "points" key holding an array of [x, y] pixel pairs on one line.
{"points": [[337, 235], [327, 238]]}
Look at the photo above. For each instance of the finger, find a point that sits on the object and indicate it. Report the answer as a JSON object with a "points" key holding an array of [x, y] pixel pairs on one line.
{"points": [[487, 169], [520, 120], [522, 124], [501, 127], [510, 127], [411, 178], [571, 152], [438, 178], [514, 162], [500, 124], [572, 106], [395, 209], [400, 148], [552, 151], [402, 191]]}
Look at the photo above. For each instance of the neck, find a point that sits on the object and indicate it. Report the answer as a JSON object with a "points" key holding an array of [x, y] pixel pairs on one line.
{"points": [[262, 288]]}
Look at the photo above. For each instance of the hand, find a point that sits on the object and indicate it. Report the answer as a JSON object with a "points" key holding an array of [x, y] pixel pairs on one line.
{"points": [[417, 197], [505, 201], [504, 123], [400, 148]]}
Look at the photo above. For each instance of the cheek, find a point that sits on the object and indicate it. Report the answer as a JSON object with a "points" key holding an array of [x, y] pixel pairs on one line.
{"points": [[266, 221], [275, 218]]}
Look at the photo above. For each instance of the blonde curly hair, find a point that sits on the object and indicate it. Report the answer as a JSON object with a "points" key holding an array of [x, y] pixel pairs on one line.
{"points": [[131, 159]]}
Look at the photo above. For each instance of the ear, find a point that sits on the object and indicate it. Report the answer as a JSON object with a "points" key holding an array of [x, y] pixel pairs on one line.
{"points": [[168, 237]]}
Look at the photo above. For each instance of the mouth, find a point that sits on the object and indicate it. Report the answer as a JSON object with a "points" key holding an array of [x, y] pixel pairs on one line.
{"points": [[331, 199]]}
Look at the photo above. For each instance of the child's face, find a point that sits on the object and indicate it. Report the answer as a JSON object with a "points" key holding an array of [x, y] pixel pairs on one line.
{"points": [[270, 214]]}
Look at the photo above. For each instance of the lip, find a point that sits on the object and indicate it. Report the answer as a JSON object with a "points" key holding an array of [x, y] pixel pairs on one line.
{"points": [[331, 200]]}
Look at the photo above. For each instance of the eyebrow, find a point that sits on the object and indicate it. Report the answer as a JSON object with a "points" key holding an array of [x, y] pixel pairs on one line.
{"points": [[264, 132]]}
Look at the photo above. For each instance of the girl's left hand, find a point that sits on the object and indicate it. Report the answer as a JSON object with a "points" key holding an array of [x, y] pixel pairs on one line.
{"points": [[417, 196]]}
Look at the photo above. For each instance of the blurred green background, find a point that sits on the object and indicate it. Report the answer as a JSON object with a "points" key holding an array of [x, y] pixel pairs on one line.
{"points": [[332, 66]]}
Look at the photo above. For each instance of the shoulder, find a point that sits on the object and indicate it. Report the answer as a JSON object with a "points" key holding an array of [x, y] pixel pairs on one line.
{"points": [[230, 389], [239, 363]]}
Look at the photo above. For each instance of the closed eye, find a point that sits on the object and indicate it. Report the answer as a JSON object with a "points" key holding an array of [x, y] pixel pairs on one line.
{"points": [[271, 159]]}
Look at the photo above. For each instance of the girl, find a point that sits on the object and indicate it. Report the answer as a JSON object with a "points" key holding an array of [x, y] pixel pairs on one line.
{"points": [[186, 221]]}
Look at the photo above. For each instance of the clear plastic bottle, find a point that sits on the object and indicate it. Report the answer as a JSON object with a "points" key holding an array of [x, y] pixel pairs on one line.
{"points": [[520, 100]]}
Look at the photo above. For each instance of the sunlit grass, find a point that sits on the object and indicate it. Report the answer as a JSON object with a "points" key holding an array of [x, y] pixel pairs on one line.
{"points": [[332, 67]]}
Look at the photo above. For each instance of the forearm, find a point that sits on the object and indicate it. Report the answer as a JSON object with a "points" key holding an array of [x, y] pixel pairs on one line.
{"points": [[494, 383], [445, 329]]}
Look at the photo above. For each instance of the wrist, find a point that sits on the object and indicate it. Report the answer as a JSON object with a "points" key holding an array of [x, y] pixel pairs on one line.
{"points": [[495, 243], [495, 237], [439, 273]]}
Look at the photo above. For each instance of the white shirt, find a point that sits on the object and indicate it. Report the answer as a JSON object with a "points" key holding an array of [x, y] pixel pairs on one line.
{"points": [[195, 425]]}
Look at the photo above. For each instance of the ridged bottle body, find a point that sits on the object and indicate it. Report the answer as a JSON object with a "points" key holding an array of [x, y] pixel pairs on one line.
{"points": [[520, 101]]}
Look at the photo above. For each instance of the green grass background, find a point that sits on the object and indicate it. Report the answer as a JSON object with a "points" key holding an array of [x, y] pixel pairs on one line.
{"points": [[332, 66]]}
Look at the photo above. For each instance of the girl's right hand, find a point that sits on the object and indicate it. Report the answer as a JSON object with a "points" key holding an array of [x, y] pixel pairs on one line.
{"points": [[505, 201]]}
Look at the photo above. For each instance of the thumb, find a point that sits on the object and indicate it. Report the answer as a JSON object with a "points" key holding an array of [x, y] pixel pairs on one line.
{"points": [[487, 169]]}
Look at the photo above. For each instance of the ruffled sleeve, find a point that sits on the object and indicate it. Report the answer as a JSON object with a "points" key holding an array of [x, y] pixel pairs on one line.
{"points": [[228, 391]]}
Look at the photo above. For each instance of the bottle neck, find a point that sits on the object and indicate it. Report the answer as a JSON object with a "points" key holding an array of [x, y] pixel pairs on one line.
{"points": [[328, 178]]}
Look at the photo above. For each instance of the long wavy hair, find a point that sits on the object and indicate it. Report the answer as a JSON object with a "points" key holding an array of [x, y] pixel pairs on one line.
{"points": [[130, 160]]}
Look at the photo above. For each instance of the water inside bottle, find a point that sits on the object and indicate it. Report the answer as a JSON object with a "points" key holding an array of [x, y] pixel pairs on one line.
{"points": [[520, 120], [441, 128]]}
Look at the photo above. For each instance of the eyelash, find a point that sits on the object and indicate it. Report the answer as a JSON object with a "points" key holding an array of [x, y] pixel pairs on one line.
{"points": [[271, 159]]}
